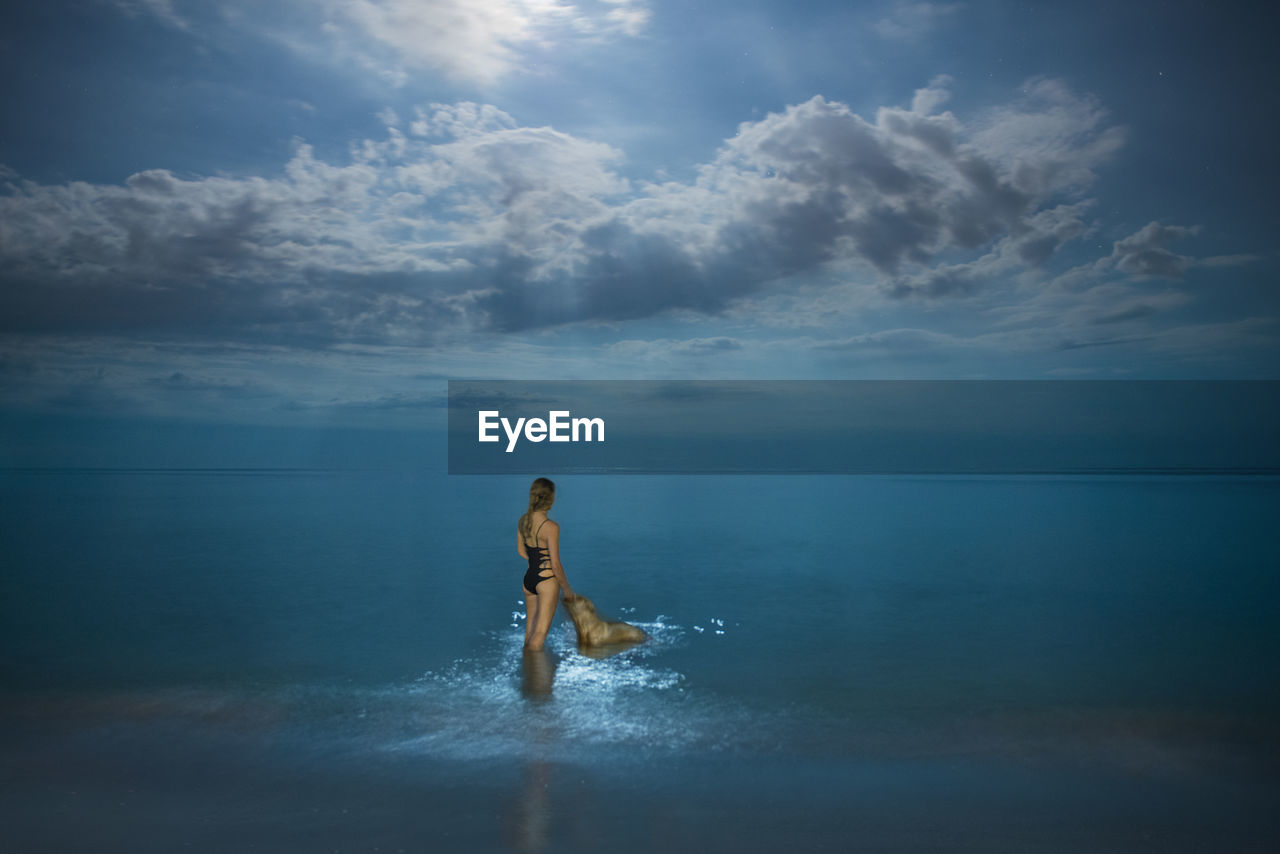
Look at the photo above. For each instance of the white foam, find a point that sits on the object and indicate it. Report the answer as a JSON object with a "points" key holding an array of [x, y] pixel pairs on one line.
{"points": [[488, 706], [476, 709]]}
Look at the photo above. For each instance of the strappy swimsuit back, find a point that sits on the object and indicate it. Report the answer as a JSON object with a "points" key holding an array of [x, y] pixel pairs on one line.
{"points": [[539, 562]]}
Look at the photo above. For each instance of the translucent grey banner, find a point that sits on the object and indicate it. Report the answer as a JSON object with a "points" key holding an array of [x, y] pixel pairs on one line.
{"points": [[863, 427]]}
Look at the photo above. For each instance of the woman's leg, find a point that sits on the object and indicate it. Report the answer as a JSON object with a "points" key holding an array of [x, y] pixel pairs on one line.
{"points": [[548, 597], [530, 614]]}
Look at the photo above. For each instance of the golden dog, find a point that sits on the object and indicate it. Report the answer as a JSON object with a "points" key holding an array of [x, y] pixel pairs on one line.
{"points": [[593, 631]]}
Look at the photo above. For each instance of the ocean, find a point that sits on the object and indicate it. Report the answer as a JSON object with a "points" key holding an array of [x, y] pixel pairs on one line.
{"points": [[306, 660]]}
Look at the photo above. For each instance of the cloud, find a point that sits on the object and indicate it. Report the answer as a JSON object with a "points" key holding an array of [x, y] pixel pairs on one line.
{"points": [[1048, 231], [1131, 298], [1050, 139], [1145, 253], [663, 348], [1141, 256], [895, 342], [460, 218], [1221, 341], [396, 401], [627, 16], [477, 42], [349, 251], [817, 183], [1033, 241], [224, 381], [1239, 260], [908, 21], [162, 9], [187, 385], [1205, 343]]}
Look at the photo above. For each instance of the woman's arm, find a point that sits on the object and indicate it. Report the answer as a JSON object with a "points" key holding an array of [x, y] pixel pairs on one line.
{"points": [[520, 543], [553, 549]]}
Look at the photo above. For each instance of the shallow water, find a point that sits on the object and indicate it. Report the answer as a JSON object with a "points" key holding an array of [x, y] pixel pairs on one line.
{"points": [[331, 660]]}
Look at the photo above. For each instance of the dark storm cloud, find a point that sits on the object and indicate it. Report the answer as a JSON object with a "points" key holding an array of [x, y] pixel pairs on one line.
{"points": [[462, 219]]}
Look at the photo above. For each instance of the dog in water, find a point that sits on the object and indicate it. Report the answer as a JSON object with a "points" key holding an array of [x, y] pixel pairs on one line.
{"points": [[595, 632]]}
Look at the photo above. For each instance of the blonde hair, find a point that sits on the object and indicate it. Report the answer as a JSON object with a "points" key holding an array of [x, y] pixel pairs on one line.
{"points": [[541, 495]]}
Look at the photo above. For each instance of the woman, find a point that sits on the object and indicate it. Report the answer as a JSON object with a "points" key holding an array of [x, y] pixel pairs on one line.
{"points": [[538, 541]]}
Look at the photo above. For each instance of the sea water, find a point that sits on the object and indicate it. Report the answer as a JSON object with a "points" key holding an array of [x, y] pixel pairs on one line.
{"points": [[331, 660]]}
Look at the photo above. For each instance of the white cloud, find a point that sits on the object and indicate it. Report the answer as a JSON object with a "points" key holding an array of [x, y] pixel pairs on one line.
{"points": [[365, 248], [474, 41], [162, 9], [817, 182], [463, 218], [1049, 140], [909, 20], [927, 99], [669, 348], [895, 342], [628, 16]]}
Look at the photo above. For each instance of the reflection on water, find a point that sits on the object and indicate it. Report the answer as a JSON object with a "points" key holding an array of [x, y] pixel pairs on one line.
{"points": [[537, 673], [550, 735], [559, 706], [529, 816], [528, 827]]}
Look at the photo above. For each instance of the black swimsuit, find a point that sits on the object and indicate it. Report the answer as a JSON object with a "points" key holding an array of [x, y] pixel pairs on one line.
{"points": [[536, 559]]}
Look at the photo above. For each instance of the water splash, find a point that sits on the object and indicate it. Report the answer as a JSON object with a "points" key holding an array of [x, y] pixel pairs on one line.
{"points": [[486, 708]]}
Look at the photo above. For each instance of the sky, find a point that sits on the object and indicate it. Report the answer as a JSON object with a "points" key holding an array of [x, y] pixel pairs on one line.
{"points": [[315, 212]]}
